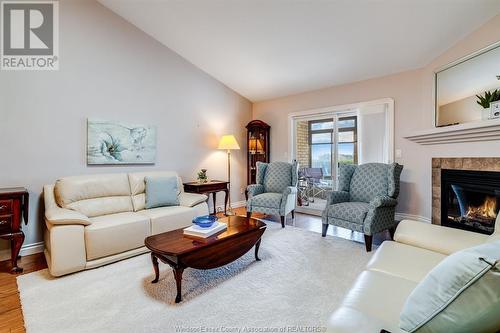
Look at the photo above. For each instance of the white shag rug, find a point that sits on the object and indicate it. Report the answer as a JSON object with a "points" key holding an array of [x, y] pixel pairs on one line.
{"points": [[300, 281]]}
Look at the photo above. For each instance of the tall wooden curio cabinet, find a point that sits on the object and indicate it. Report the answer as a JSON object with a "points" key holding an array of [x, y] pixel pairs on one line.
{"points": [[257, 147]]}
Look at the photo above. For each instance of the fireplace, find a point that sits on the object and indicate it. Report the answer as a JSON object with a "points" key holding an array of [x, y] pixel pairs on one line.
{"points": [[470, 200]]}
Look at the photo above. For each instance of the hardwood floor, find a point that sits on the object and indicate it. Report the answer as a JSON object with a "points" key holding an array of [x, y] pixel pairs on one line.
{"points": [[11, 316]]}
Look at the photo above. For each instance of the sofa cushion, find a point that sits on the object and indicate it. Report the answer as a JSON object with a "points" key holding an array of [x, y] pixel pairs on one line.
{"points": [[269, 200], [165, 219], [191, 199], [461, 294], [115, 233], [436, 238], [375, 302], [349, 211], [405, 261], [161, 191], [102, 206], [138, 186], [348, 320], [94, 195]]}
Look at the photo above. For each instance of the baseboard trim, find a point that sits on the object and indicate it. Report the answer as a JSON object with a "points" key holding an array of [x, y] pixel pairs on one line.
{"points": [[239, 204], [403, 216], [26, 250]]}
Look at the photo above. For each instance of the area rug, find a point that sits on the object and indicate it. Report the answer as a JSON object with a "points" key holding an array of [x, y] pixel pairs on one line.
{"points": [[300, 281]]}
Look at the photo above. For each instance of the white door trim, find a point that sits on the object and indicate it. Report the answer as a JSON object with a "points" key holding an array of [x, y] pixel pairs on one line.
{"points": [[327, 111]]}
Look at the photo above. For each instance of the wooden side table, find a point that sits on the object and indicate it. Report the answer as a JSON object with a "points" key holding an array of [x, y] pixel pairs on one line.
{"points": [[212, 186], [14, 205]]}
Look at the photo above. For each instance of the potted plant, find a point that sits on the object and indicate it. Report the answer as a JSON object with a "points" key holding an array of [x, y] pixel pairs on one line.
{"points": [[486, 99], [202, 176]]}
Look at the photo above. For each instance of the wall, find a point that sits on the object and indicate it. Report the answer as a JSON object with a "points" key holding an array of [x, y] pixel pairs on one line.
{"points": [[373, 141], [412, 92], [111, 70]]}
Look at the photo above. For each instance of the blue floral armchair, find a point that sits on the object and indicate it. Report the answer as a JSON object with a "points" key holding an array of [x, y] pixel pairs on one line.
{"points": [[365, 200], [275, 191]]}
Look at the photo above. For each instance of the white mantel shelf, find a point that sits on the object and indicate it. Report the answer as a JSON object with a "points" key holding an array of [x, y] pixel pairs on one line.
{"points": [[488, 130]]}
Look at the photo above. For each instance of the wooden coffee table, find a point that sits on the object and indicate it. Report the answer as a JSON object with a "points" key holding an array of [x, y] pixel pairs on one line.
{"points": [[181, 252]]}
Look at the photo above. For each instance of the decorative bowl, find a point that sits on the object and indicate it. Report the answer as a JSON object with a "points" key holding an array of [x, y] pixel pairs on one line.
{"points": [[205, 221]]}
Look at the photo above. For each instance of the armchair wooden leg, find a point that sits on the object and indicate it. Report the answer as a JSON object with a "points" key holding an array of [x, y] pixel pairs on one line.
{"points": [[249, 214], [325, 229], [282, 218], [293, 214], [368, 242], [391, 232]]}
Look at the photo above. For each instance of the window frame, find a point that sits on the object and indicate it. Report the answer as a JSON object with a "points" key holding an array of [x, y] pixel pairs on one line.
{"points": [[355, 135], [334, 140], [321, 131]]}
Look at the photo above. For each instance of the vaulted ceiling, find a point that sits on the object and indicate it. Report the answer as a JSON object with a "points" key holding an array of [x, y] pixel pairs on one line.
{"points": [[265, 49]]}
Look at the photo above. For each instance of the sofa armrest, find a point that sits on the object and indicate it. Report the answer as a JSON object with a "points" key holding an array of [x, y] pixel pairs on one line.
{"points": [[62, 216], [337, 197], [383, 201], [255, 189], [436, 238], [191, 199]]}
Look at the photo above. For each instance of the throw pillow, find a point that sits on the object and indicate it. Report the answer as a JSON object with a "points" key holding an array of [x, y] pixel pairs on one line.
{"points": [[161, 191], [460, 294]]}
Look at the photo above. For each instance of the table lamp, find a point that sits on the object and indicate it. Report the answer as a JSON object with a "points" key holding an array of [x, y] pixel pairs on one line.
{"points": [[228, 142]]}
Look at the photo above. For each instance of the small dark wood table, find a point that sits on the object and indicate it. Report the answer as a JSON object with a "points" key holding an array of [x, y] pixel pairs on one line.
{"points": [[14, 205], [212, 186], [181, 252]]}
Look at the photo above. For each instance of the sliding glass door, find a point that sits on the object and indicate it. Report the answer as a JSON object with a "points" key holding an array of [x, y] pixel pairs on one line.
{"points": [[320, 143]]}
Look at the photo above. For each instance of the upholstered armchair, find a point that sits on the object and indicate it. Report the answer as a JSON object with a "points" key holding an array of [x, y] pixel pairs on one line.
{"points": [[275, 191], [365, 200]]}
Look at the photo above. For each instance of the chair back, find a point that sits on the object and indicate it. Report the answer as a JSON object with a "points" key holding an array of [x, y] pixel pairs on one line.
{"points": [[277, 176], [314, 175], [374, 179]]}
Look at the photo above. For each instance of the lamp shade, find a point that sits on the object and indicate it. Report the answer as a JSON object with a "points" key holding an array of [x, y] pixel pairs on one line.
{"points": [[228, 142]]}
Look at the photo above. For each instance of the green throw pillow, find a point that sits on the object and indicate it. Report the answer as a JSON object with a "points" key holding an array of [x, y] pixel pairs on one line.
{"points": [[161, 191], [460, 294]]}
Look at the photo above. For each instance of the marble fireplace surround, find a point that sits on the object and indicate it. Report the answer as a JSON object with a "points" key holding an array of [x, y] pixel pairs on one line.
{"points": [[456, 163]]}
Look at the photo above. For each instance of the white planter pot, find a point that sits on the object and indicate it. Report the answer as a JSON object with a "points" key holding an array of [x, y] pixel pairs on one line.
{"points": [[485, 114]]}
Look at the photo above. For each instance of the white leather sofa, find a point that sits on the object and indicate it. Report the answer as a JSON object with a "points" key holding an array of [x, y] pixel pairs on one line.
{"points": [[94, 220], [378, 295]]}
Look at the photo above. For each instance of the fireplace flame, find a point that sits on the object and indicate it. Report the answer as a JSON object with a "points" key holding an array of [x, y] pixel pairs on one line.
{"points": [[486, 210]]}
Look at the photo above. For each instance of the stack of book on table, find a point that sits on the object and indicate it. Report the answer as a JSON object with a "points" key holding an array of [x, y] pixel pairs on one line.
{"points": [[197, 231]]}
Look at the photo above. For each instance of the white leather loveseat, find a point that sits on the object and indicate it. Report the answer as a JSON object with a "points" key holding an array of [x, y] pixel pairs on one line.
{"points": [[94, 220], [378, 295]]}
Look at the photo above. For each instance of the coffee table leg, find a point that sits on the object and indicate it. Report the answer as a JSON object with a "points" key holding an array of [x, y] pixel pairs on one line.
{"points": [[178, 280], [257, 245], [155, 266]]}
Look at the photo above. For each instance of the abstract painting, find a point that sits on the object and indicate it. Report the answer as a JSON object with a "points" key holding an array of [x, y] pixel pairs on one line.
{"points": [[117, 143]]}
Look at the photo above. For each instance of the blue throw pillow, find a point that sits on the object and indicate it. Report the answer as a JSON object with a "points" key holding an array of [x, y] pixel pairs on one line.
{"points": [[161, 191]]}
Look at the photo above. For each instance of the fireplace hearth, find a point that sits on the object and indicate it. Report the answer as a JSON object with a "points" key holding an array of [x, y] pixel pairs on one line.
{"points": [[470, 200]]}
